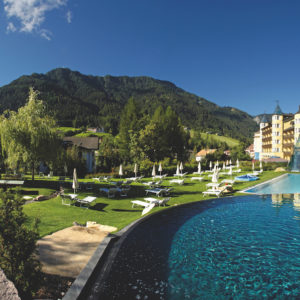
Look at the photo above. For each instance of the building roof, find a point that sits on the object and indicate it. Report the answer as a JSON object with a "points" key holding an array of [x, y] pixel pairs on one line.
{"points": [[204, 152], [264, 119], [277, 110], [90, 143], [250, 148]]}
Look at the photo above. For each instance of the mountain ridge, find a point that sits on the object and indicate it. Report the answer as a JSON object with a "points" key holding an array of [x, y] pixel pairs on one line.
{"points": [[86, 100]]}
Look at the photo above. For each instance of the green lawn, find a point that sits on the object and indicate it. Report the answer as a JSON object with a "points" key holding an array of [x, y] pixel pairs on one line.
{"points": [[116, 212]]}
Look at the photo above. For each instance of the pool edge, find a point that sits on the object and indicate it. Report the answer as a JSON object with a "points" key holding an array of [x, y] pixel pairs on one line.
{"points": [[262, 183]]}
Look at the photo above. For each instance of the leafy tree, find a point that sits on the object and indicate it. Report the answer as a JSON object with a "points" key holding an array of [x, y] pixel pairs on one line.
{"points": [[129, 121], [164, 136], [109, 156], [18, 246], [29, 135]]}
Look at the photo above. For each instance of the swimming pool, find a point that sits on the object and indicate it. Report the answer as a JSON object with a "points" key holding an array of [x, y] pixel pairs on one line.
{"points": [[232, 248], [286, 184]]}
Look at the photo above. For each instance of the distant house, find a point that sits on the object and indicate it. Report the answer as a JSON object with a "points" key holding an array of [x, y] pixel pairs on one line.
{"points": [[202, 153], [250, 150], [87, 146], [227, 152]]}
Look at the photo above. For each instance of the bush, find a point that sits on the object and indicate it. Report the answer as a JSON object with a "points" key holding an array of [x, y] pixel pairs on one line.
{"points": [[18, 246]]}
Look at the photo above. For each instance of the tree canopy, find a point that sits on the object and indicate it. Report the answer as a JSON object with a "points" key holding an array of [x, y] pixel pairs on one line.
{"points": [[29, 135]]}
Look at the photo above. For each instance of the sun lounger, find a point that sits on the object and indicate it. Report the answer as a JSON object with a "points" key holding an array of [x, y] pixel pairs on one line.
{"points": [[86, 202], [197, 178], [158, 191], [139, 202], [111, 192], [213, 192], [68, 199], [163, 202], [230, 181], [178, 181], [151, 200]]}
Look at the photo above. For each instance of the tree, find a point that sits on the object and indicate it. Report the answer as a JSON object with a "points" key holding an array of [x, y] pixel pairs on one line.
{"points": [[164, 136], [29, 135], [18, 246], [129, 121]]}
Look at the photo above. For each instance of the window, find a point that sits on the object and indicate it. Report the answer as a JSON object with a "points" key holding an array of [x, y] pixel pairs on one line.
{"points": [[276, 117]]}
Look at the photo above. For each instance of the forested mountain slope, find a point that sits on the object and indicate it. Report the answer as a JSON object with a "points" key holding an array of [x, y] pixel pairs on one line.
{"points": [[81, 100]]}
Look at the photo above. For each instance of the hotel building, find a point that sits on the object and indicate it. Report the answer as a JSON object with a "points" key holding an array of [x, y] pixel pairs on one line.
{"points": [[278, 137]]}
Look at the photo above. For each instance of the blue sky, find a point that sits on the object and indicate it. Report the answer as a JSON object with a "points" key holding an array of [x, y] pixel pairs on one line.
{"points": [[242, 53]]}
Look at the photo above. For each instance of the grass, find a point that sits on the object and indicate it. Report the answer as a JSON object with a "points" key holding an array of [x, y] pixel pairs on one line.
{"points": [[116, 212], [228, 140]]}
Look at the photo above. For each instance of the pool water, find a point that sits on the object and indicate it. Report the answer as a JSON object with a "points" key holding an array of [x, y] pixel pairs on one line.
{"points": [[287, 184], [232, 248]]}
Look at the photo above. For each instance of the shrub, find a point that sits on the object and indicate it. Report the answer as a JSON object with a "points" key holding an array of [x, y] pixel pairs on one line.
{"points": [[18, 246]]}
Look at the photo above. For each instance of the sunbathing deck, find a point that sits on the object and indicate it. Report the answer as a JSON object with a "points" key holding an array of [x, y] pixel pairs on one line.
{"points": [[66, 252]]}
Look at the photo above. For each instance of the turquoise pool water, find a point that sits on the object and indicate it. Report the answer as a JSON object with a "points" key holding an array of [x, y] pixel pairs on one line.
{"points": [[288, 184], [231, 248]]}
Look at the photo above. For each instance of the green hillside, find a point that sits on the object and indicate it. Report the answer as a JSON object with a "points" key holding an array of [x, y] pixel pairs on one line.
{"points": [[223, 139], [79, 100]]}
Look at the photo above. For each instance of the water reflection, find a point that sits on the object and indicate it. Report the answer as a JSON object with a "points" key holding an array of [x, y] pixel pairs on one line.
{"points": [[293, 200]]}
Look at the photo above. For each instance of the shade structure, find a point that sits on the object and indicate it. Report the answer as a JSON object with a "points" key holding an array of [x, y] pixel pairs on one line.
{"points": [[224, 165], [215, 177], [210, 165], [75, 184], [65, 169], [177, 170], [135, 170], [160, 168], [230, 162], [237, 163], [253, 167], [230, 171], [181, 167], [217, 163], [199, 167], [227, 162], [121, 170], [153, 171]]}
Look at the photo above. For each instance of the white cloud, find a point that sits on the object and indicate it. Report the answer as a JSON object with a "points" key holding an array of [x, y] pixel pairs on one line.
{"points": [[31, 13], [11, 27], [69, 16]]}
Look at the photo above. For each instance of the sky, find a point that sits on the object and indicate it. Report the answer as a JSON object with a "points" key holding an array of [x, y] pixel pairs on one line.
{"points": [[239, 53]]}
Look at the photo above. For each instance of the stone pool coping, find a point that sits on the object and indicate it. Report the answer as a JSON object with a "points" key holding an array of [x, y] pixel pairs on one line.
{"points": [[260, 184]]}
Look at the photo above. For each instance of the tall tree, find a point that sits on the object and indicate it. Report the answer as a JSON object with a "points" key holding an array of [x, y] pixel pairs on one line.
{"points": [[164, 136], [29, 135], [128, 122]]}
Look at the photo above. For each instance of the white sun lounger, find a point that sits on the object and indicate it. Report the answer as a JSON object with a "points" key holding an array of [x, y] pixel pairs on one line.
{"points": [[197, 178], [139, 202], [86, 202], [213, 192], [178, 181]]}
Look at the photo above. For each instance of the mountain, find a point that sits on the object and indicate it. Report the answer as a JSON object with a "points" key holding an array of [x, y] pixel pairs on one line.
{"points": [[75, 99]]}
